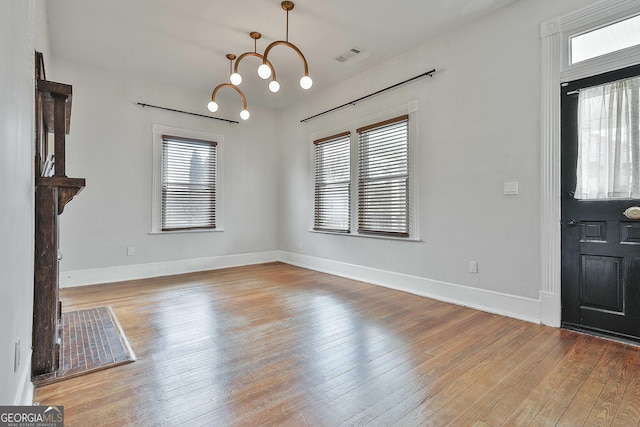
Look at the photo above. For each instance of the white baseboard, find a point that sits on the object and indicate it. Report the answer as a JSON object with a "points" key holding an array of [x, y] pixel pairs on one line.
{"points": [[527, 309], [518, 307], [550, 309], [24, 394], [142, 271]]}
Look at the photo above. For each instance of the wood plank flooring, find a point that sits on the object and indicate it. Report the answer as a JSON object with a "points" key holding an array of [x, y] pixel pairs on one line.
{"points": [[279, 345]]}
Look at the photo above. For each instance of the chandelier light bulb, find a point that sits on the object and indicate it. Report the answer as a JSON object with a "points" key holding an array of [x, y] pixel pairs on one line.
{"points": [[244, 114], [274, 86], [264, 71], [212, 106], [306, 82], [235, 78]]}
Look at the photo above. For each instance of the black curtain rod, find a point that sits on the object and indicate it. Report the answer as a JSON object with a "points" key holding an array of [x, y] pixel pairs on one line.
{"points": [[355, 101], [187, 112]]}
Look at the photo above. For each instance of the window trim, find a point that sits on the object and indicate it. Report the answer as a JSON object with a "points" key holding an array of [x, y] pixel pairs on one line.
{"points": [[158, 131], [593, 17], [410, 109]]}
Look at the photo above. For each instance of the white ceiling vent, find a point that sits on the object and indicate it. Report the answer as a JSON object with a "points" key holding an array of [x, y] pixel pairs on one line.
{"points": [[348, 54]]}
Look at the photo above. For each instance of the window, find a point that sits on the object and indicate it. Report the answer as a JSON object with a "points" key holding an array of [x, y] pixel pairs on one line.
{"points": [[187, 196], [594, 39], [608, 39], [188, 184], [608, 134], [378, 174], [383, 178], [332, 183]]}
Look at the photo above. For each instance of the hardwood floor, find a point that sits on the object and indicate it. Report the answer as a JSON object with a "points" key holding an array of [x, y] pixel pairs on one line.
{"points": [[279, 345]]}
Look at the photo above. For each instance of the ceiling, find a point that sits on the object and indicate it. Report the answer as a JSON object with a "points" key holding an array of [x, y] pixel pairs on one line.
{"points": [[184, 42]]}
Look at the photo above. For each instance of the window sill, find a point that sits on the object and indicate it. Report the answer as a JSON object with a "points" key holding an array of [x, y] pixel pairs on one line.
{"points": [[369, 236], [208, 230]]}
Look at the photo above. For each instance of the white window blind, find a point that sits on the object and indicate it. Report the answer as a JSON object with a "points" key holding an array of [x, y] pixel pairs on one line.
{"points": [[383, 178], [332, 183], [188, 183]]}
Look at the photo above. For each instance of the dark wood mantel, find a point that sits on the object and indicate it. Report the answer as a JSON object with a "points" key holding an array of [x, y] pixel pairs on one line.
{"points": [[67, 188], [53, 116]]}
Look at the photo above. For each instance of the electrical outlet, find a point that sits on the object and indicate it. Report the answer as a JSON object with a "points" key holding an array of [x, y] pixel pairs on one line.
{"points": [[131, 250], [16, 360], [473, 266]]}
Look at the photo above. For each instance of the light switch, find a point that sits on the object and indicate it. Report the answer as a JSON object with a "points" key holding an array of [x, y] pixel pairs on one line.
{"points": [[511, 188]]}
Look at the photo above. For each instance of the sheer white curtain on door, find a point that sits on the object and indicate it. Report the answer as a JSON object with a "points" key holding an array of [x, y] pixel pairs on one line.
{"points": [[609, 141]]}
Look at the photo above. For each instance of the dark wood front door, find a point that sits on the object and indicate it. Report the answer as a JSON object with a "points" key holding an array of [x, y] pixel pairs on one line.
{"points": [[600, 245]]}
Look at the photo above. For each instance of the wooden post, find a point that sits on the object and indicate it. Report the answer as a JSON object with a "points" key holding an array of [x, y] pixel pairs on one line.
{"points": [[45, 296]]}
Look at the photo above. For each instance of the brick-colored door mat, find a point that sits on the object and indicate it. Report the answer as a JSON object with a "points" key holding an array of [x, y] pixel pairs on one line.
{"points": [[91, 340]]}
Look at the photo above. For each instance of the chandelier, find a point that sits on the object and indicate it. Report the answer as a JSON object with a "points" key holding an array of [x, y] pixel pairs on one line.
{"points": [[213, 105], [236, 78], [265, 70]]}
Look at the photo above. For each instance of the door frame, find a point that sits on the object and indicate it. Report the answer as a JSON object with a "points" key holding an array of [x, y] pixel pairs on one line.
{"points": [[556, 69]]}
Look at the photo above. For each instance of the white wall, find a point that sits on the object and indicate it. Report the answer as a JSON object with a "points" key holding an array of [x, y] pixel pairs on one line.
{"points": [[110, 144], [22, 31], [479, 126]]}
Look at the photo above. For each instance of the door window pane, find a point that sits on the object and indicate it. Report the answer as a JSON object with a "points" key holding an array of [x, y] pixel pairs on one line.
{"points": [[608, 163]]}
